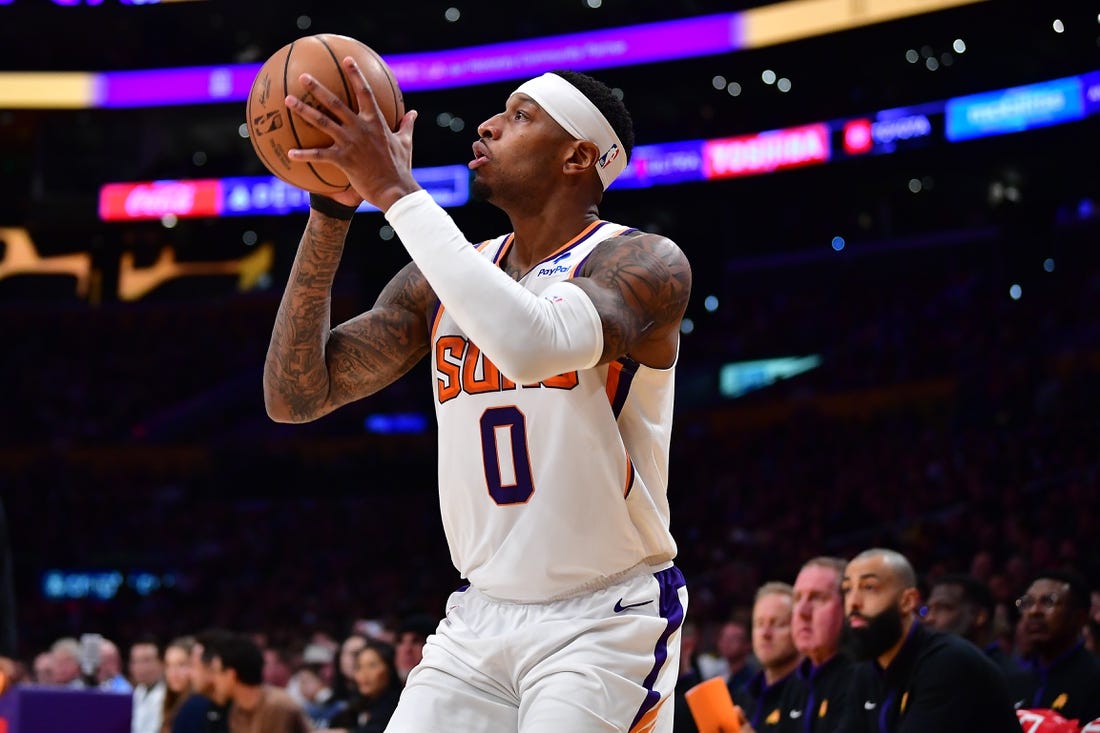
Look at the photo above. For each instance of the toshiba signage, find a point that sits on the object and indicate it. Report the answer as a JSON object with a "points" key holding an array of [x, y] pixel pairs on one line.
{"points": [[765, 152]]}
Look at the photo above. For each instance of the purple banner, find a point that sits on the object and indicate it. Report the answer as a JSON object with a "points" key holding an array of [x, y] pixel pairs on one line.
{"points": [[638, 44], [626, 46], [190, 85]]}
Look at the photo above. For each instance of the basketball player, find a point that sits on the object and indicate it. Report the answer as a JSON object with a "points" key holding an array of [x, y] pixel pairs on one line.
{"points": [[553, 350]]}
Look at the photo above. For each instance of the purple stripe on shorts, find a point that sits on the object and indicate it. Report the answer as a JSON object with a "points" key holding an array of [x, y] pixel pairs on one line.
{"points": [[670, 581]]}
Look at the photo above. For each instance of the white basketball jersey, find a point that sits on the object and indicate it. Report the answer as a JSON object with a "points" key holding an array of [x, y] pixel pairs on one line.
{"points": [[550, 489]]}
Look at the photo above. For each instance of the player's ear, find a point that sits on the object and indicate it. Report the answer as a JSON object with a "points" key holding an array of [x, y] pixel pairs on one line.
{"points": [[582, 155]]}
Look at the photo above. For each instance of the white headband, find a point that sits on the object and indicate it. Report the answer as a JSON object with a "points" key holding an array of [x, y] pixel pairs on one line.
{"points": [[580, 118]]}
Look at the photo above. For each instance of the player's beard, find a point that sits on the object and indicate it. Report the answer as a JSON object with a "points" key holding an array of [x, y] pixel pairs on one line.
{"points": [[880, 633], [480, 191]]}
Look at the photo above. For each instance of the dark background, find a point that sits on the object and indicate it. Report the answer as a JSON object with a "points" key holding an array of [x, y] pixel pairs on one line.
{"points": [[948, 420]]}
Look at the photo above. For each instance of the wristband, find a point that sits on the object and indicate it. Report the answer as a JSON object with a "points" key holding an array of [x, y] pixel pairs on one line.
{"points": [[330, 207]]}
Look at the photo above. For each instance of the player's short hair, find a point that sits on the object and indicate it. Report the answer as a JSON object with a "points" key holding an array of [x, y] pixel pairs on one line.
{"points": [[607, 103]]}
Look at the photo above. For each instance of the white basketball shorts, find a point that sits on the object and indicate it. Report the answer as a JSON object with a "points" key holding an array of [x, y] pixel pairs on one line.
{"points": [[602, 661]]}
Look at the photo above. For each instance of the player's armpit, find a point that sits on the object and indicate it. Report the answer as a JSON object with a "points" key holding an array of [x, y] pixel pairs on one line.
{"points": [[640, 285]]}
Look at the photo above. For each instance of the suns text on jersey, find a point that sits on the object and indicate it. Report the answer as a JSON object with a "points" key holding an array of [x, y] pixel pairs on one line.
{"points": [[461, 367]]}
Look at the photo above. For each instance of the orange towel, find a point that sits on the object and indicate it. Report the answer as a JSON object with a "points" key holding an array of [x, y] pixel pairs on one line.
{"points": [[713, 708]]}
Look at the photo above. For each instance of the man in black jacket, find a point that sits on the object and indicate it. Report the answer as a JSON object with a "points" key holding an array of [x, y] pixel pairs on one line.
{"points": [[911, 678], [1060, 673], [813, 702]]}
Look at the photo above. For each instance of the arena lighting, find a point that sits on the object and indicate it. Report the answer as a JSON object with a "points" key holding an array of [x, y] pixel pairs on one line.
{"points": [[742, 377], [884, 132], [1019, 108], [101, 585], [623, 46]]}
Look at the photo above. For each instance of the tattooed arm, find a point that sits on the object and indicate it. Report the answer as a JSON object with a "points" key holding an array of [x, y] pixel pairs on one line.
{"points": [[640, 285], [311, 368]]}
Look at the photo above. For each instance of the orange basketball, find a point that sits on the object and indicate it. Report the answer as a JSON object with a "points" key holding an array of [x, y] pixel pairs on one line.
{"points": [[272, 128]]}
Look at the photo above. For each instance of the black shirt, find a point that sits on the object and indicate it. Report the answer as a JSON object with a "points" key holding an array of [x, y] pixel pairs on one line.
{"points": [[815, 699], [1070, 685], [199, 714], [937, 682], [760, 701]]}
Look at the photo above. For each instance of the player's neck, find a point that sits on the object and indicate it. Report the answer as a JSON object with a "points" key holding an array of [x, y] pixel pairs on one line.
{"points": [[541, 235]]}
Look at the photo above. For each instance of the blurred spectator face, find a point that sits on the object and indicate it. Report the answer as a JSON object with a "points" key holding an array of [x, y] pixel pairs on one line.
{"points": [[949, 612], [310, 683], [43, 669], [66, 664], [110, 661], [276, 671], [771, 631], [818, 613], [408, 652], [1094, 609], [202, 674], [349, 650], [371, 675], [1050, 624], [145, 666], [177, 669], [733, 642], [222, 682]]}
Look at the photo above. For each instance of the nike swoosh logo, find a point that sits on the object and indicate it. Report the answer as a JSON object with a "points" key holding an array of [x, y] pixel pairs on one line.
{"points": [[795, 714], [869, 705], [619, 607]]}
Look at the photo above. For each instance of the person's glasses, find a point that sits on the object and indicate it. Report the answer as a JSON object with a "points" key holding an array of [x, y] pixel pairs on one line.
{"points": [[1045, 602]]}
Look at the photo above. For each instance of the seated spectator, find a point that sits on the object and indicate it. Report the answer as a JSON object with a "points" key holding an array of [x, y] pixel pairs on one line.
{"points": [[109, 673], [65, 654], [42, 669], [814, 700], [775, 651], [734, 647], [961, 604], [177, 679], [409, 641], [377, 689], [909, 677], [343, 677], [1061, 674], [199, 713], [254, 707], [310, 682], [147, 673]]}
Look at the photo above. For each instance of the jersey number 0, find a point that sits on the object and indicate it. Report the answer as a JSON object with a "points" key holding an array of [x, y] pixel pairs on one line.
{"points": [[505, 455]]}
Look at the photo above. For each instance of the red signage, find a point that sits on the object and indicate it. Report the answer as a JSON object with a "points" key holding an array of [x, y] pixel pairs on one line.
{"points": [[155, 199], [766, 152], [857, 137]]}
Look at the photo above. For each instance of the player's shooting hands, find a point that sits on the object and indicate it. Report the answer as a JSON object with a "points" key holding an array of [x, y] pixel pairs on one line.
{"points": [[376, 160]]}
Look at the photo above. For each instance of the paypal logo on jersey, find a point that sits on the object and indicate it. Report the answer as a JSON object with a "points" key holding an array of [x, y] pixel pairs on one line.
{"points": [[555, 270]]}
